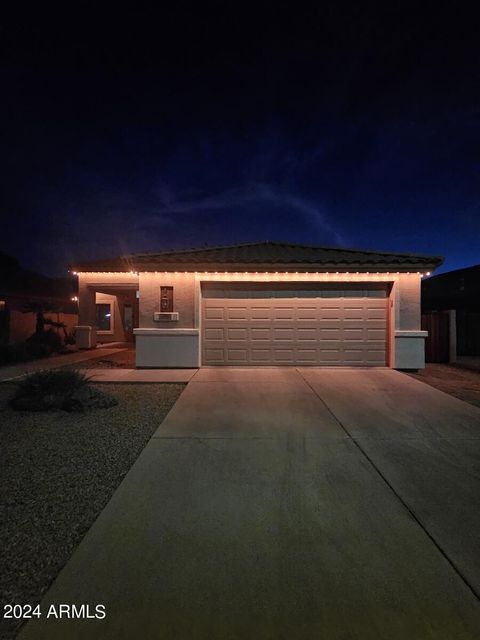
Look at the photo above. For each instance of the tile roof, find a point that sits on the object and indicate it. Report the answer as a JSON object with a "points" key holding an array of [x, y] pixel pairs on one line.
{"points": [[262, 253]]}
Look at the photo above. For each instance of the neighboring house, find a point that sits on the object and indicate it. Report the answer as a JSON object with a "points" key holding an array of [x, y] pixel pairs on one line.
{"points": [[20, 288], [451, 306], [261, 304]]}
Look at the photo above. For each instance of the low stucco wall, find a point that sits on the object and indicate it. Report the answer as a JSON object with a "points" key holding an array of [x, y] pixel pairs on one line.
{"points": [[158, 348], [410, 349]]}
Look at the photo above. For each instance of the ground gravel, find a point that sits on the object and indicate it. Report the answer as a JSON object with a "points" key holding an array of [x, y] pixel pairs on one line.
{"points": [[122, 360], [463, 384], [57, 472]]}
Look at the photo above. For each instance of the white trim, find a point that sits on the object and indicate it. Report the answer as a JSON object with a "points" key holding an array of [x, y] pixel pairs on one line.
{"points": [[165, 316], [410, 334], [165, 332]]}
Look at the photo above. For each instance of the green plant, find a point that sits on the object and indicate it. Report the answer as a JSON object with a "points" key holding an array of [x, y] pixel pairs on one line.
{"points": [[65, 389]]}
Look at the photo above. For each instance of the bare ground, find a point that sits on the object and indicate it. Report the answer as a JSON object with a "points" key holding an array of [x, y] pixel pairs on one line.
{"points": [[121, 360], [461, 383]]}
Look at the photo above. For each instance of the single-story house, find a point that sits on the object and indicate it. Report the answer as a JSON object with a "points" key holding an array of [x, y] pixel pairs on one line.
{"points": [[259, 304]]}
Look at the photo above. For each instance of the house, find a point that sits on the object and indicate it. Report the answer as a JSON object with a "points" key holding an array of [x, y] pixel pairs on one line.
{"points": [[259, 304], [21, 289], [451, 308]]}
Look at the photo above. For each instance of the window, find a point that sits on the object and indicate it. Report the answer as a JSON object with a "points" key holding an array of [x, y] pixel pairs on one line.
{"points": [[166, 299], [104, 317]]}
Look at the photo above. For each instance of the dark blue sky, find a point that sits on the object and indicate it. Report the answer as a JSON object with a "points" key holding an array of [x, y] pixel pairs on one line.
{"points": [[336, 124]]}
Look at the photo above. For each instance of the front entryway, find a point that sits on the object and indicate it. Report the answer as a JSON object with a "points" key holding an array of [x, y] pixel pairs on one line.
{"points": [[284, 324]]}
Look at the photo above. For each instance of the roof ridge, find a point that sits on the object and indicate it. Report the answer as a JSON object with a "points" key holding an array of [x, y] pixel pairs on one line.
{"points": [[283, 244], [195, 249]]}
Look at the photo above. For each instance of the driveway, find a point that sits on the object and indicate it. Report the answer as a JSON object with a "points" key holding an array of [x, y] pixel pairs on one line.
{"points": [[290, 504]]}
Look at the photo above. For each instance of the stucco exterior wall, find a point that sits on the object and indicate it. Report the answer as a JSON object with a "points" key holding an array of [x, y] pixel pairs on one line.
{"points": [[183, 299], [409, 289], [405, 340], [409, 339]]}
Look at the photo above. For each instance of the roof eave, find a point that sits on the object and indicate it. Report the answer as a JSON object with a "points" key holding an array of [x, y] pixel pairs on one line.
{"points": [[266, 267]]}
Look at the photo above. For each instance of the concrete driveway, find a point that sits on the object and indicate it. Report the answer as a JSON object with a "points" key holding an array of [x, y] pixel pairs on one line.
{"points": [[285, 504]]}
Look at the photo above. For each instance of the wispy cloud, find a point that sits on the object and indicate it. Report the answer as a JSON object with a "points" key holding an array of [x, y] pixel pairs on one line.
{"points": [[253, 193]]}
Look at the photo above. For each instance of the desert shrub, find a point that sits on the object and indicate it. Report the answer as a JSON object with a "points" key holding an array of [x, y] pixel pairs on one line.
{"points": [[65, 389], [48, 341]]}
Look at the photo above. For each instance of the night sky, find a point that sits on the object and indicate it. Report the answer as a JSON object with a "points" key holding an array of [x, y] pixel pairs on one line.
{"points": [[320, 123]]}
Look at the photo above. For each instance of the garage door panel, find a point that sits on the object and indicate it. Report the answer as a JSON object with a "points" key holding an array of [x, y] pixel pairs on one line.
{"points": [[307, 313], [236, 333], [284, 313], [259, 334], [329, 314], [214, 333], [260, 313], [307, 334], [237, 313], [262, 356], [283, 334], [278, 330], [283, 356], [329, 356], [215, 313], [307, 355], [375, 334], [237, 356], [329, 333], [214, 355], [353, 315], [376, 314], [355, 334]]}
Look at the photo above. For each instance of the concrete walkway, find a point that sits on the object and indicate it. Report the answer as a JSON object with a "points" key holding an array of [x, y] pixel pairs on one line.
{"points": [[289, 504], [140, 375], [23, 368]]}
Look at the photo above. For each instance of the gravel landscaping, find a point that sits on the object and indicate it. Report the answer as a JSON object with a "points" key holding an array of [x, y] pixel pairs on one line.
{"points": [[461, 383], [57, 472], [123, 360]]}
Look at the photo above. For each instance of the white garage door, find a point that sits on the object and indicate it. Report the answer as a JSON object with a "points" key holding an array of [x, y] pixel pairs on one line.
{"points": [[255, 325]]}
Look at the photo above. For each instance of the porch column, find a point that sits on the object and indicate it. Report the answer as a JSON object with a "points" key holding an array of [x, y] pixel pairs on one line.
{"points": [[86, 306], [86, 331]]}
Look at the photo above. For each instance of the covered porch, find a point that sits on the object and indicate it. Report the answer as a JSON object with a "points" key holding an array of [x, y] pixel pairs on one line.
{"points": [[108, 310]]}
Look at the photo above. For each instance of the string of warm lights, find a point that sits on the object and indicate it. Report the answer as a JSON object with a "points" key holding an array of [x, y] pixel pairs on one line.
{"points": [[269, 273]]}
